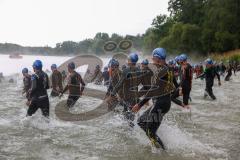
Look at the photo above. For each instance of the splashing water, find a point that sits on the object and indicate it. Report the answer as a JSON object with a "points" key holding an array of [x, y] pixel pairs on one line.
{"points": [[212, 132]]}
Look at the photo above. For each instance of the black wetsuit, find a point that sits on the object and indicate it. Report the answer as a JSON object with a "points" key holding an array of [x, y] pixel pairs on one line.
{"points": [[146, 79], [209, 75], [152, 118], [38, 94], [186, 83], [128, 82], [175, 93], [75, 87]]}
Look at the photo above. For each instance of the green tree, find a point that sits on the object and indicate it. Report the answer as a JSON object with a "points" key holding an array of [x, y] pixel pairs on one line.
{"points": [[187, 11]]}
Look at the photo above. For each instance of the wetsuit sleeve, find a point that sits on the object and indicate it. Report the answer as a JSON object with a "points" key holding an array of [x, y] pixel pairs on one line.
{"points": [[176, 101]]}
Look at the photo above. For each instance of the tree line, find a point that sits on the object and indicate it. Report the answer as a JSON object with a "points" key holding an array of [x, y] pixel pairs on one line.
{"points": [[193, 26], [201, 26]]}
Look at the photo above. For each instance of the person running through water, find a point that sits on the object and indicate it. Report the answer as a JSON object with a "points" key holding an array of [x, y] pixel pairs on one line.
{"points": [[75, 86], [115, 75], [38, 92], [152, 118], [209, 75], [97, 76], [106, 76], [129, 83], [175, 93], [186, 80], [57, 83], [26, 83]]}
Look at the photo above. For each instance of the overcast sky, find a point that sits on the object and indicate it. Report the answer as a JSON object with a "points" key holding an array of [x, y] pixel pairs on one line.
{"points": [[47, 22]]}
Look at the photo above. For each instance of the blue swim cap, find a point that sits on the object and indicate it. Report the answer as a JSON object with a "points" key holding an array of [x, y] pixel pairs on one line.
{"points": [[209, 61], [145, 62], [71, 65], [159, 53], [37, 65], [176, 58], [171, 62], [133, 57], [113, 62], [54, 66], [24, 70], [183, 57]]}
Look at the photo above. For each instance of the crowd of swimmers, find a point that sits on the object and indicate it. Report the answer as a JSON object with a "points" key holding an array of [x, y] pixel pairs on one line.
{"points": [[132, 85]]}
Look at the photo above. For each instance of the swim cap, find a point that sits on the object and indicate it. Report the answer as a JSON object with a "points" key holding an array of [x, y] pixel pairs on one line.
{"points": [[37, 64], [159, 53]]}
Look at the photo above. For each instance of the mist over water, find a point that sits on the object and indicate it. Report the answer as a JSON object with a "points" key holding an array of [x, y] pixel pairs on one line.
{"points": [[210, 131]]}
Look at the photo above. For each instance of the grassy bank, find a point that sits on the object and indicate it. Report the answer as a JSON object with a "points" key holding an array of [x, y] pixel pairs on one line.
{"points": [[231, 55]]}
